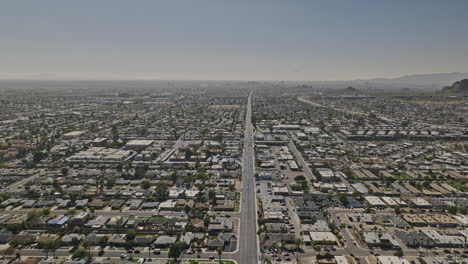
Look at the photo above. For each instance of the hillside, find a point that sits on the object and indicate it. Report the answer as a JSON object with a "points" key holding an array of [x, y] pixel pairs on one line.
{"points": [[457, 87]]}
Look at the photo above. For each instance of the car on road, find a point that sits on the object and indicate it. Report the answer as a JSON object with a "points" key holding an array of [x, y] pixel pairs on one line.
{"points": [[123, 256], [211, 257], [136, 251]]}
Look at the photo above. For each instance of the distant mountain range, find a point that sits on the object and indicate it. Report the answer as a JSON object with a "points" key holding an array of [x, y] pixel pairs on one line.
{"points": [[441, 79]]}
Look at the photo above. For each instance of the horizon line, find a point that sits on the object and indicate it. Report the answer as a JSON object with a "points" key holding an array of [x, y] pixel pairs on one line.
{"points": [[227, 80]]}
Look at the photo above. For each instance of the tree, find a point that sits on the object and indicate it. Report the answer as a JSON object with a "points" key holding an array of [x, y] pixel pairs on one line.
{"points": [[71, 212], [130, 235], [81, 253], [161, 192], [103, 241], [398, 253], [187, 209], [299, 178], [39, 155], [140, 171], [110, 181], [76, 229], [200, 187], [46, 211], [174, 251], [57, 186], [115, 133], [397, 210], [15, 242], [64, 171], [298, 243], [101, 184], [452, 210], [49, 245], [145, 184], [212, 196], [304, 185], [75, 242], [87, 245], [206, 221], [72, 197], [33, 214], [4, 196], [118, 225], [220, 252], [8, 251]]}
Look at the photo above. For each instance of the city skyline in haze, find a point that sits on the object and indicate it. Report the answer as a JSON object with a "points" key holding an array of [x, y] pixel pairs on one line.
{"points": [[238, 40]]}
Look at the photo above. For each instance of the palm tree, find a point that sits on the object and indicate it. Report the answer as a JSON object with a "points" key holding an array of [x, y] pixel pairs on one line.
{"points": [[298, 243], [220, 252], [262, 245]]}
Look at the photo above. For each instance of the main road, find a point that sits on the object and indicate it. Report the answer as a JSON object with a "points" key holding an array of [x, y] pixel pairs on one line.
{"points": [[13, 187], [247, 253]]}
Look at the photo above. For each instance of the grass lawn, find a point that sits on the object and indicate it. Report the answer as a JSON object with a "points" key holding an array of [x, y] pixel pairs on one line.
{"points": [[402, 177], [237, 206]]}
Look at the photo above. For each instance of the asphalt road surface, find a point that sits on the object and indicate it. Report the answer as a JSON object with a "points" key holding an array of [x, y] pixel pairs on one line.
{"points": [[14, 186], [303, 164], [247, 253]]}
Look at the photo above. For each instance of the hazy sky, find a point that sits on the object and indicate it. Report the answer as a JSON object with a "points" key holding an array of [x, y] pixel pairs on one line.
{"points": [[241, 39]]}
